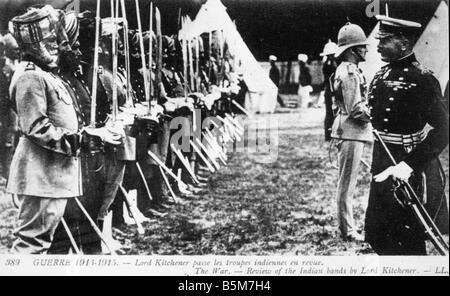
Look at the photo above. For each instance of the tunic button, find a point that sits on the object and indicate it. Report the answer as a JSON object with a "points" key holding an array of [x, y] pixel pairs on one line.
{"points": [[388, 109], [391, 99], [385, 120], [385, 130], [401, 78]]}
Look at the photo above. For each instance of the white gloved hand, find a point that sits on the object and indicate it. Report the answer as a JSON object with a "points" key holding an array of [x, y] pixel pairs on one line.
{"points": [[186, 103], [156, 109], [170, 106], [104, 134], [401, 171], [234, 88]]}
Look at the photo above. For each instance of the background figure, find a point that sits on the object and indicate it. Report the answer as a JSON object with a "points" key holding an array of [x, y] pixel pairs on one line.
{"points": [[304, 87], [9, 56], [315, 70], [275, 76], [351, 128], [329, 67]]}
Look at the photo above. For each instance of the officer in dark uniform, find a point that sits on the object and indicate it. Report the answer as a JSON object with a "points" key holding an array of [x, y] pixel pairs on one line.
{"points": [[407, 111], [92, 156]]}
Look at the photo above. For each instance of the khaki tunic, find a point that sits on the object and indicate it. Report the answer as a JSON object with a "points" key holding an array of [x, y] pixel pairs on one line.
{"points": [[45, 162]]}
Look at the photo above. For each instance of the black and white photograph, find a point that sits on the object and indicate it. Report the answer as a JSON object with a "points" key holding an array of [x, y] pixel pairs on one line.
{"points": [[224, 137]]}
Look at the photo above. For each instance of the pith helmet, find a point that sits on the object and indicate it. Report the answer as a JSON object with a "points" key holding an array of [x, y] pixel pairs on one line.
{"points": [[329, 48], [350, 35], [302, 57]]}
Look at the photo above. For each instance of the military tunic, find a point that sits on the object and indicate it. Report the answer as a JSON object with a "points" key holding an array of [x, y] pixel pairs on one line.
{"points": [[352, 130], [45, 170], [407, 110], [45, 162]]}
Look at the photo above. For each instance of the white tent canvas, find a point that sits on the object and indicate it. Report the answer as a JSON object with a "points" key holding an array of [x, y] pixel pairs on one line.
{"points": [[262, 94], [432, 47]]}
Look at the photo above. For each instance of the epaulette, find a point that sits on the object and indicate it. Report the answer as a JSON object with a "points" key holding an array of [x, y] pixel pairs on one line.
{"points": [[422, 69], [30, 66]]}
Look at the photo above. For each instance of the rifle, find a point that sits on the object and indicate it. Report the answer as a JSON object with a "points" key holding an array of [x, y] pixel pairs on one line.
{"points": [[411, 200]]}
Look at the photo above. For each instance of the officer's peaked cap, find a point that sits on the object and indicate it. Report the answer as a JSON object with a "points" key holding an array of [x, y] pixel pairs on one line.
{"points": [[390, 26]]}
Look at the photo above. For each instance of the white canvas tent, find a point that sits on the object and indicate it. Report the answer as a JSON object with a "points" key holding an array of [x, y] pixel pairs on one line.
{"points": [[262, 94], [432, 47]]}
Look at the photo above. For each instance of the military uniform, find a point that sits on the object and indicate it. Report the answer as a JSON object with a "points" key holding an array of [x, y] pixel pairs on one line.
{"points": [[351, 130], [93, 178], [45, 170], [405, 100]]}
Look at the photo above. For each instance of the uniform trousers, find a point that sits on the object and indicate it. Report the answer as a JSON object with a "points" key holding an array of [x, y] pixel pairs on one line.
{"points": [[38, 220], [350, 154]]}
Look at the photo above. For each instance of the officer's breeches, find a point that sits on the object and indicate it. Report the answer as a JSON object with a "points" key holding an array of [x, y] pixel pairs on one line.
{"points": [[350, 154]]}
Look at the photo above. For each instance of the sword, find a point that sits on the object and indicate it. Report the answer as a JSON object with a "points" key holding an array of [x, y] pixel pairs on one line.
{"points": [[129, 100], [95, 74], [185, 163], [94, 226], [163, 166], [418, 210], [174, 197], [214, 162], [140, 229], [71, 239], [241, 108], [150, 57], [141, 47], [208, 164]]}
